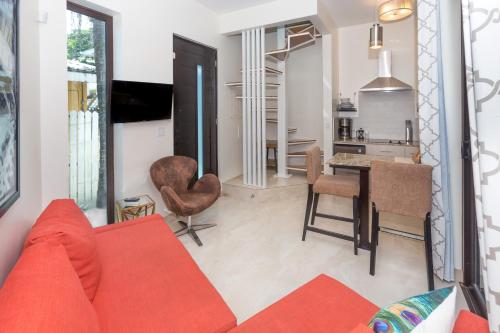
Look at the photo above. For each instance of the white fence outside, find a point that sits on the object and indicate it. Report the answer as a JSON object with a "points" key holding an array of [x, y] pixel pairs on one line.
{"points": [[84, 157]]}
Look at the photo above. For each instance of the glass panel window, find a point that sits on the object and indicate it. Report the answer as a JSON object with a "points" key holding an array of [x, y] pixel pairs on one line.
{"points": [[87, 112], [199, 74]]}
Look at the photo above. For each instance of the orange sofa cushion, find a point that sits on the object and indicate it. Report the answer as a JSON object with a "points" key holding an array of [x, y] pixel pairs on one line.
{"points": [[468, 322], [322, 305], [362, 328], [150, 283], [43, 294], [64, 222]]}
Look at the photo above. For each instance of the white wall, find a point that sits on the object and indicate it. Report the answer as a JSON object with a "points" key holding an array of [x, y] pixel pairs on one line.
{"points": [[304, 88], [451, 46], [15, 224], [53, 103], [336, 64], [230, 109], [328, 80]]}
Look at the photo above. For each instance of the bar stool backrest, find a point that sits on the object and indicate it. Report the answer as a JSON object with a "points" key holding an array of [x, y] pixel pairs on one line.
{"points": [[404, 189], [313, 164]]}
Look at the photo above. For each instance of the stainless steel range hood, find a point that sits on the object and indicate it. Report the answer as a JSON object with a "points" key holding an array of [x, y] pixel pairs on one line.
{"points": [[385, 82]]}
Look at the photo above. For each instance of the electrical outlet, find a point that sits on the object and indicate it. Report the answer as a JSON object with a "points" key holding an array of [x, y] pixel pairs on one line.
{"points": [[43, 17]]}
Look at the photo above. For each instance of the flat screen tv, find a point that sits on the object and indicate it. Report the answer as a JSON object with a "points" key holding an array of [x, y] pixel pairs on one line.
{"points": [[140, 101]]}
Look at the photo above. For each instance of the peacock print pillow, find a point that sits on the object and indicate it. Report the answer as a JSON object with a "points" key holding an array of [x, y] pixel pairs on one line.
{"points": [[431, 312]]}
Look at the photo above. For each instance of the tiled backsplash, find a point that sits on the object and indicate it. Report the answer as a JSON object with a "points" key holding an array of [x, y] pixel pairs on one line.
{"points": [[383, 114]]}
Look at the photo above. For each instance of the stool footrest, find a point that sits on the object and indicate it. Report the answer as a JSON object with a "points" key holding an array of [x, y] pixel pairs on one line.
{"points": [[402, 233], [330, 233], [334, 217]]}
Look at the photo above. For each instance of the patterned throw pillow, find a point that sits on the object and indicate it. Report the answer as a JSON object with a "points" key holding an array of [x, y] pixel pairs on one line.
{"points": [[430, 312]]}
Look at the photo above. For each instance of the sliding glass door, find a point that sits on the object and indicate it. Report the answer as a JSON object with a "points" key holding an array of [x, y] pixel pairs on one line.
{"points": [[472, 285], [89, 37]]}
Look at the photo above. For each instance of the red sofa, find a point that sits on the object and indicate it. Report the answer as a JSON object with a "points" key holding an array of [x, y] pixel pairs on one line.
{"points": [[137, 277], [128, 277]]}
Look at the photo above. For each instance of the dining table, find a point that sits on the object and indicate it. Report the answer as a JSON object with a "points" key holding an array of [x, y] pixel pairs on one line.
{"points": [[362, 163]]}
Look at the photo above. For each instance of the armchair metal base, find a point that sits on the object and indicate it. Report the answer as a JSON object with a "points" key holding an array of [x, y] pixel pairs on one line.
{"points": [[189, 228]]}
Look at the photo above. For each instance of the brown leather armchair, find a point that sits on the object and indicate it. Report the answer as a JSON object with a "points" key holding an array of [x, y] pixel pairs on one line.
{"points": [[172, 176]]}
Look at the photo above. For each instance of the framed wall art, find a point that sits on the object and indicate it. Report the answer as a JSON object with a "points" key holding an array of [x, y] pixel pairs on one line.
{"points": [[9, 106]]}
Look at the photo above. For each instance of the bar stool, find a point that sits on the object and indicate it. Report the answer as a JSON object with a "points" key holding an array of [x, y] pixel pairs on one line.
{"points": [[402, 189], [346, 186], [272, 145]]}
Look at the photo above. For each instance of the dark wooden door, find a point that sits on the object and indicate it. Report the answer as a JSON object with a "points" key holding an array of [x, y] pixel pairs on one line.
{"points": [[195, 103]]}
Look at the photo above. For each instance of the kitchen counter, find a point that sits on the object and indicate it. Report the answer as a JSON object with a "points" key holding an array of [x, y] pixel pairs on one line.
{"points": [[384, 147], [384, 142], [363, 161]]}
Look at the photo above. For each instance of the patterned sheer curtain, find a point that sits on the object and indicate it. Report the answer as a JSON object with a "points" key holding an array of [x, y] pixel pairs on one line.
{"points": [[481, 24], [433, 134]]}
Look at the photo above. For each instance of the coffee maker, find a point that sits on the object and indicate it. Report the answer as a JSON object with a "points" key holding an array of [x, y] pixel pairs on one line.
{"points": [[345, 129]]}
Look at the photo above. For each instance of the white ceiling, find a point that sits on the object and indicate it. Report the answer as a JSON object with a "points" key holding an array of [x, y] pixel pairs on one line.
{"points": [[226, 6], [344, 12], [352, 12]]}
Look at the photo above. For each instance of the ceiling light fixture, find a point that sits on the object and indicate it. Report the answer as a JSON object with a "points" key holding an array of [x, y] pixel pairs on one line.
{"points": [[376, 36], [395, 10]]}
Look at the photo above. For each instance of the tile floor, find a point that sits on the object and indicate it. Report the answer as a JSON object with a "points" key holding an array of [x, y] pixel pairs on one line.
{"points": [[255, 255]]}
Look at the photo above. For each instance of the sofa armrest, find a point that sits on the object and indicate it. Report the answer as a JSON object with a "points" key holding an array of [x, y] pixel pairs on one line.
{"points": [[468, 322], [127, 224]]}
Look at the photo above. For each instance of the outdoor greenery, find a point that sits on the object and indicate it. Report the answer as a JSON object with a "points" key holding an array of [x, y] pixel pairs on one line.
{"points": [[80, 40]]}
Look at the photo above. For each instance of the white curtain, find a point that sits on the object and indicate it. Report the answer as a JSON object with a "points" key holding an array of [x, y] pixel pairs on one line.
{"points": [[433, 135], [481, 24]]}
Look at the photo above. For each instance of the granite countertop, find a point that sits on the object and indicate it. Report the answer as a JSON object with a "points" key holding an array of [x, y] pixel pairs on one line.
{"points": [[364, 161], [384, 142]]}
